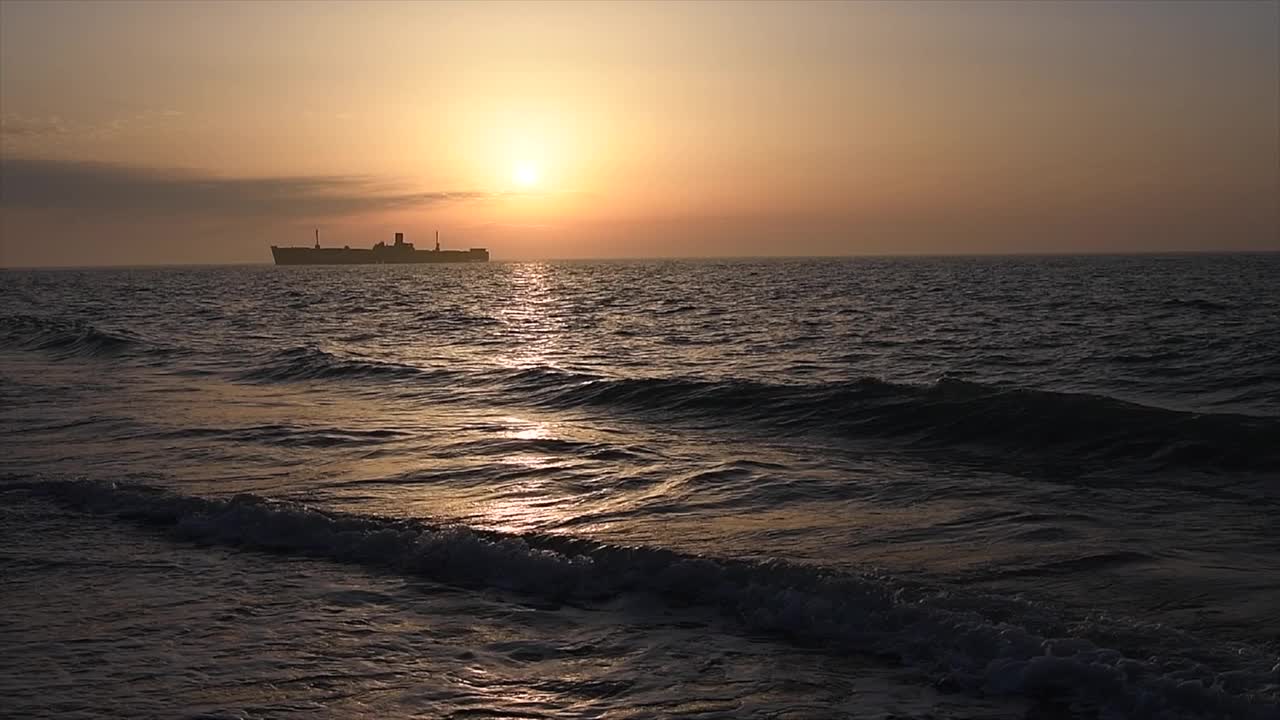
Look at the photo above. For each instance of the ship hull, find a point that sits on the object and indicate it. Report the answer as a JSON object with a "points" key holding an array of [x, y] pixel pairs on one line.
{"points": [[364, 256]]}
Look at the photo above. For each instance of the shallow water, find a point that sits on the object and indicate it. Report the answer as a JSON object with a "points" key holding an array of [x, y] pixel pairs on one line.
{"points": [[963, 487]]}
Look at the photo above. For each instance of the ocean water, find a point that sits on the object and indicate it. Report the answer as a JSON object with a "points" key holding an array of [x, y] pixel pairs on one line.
{"points": [[928, 487]]}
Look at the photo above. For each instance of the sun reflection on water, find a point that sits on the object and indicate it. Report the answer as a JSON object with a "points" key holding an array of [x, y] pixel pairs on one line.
{"points": [[529, 429], [535, 496], [533, 321]]}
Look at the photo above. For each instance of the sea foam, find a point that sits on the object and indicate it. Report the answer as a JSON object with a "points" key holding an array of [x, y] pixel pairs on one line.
{"points": [[949, 638]]}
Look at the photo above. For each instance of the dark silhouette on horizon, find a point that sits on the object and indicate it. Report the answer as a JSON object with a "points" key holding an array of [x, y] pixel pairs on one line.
{"points": [[400, 252]]}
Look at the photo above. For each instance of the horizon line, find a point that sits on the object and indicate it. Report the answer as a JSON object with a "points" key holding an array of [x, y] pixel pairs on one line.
{"points": [[694, 258]]}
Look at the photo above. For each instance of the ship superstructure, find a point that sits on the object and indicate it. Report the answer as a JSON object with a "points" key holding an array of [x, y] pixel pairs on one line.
{"points": [[399, 252]]}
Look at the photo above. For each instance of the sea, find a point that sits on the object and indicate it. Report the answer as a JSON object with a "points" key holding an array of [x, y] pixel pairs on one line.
{"points": [[928, 487]]}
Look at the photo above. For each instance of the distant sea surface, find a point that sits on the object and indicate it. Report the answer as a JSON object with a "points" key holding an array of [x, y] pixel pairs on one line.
{"points": [[928, 487]]}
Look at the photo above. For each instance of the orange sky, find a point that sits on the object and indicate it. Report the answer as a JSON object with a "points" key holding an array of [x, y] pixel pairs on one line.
{"points": [[147, 132]]}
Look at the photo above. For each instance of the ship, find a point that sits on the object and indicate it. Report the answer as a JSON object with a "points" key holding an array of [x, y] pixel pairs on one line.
{"points": [[382, 253]]}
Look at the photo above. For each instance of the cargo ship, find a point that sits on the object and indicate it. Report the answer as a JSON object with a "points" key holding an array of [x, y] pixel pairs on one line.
{"points": [[399, 252]]}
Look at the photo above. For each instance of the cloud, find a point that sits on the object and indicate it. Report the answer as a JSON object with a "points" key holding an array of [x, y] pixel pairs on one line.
{"points": [[111, 189], [30, 130], [18, 126]]}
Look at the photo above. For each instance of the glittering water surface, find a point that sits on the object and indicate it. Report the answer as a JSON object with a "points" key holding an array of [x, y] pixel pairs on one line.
{"points": [[960, 487]]}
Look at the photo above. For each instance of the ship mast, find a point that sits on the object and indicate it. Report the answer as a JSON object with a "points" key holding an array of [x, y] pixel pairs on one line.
{"points": [[317, 238]]}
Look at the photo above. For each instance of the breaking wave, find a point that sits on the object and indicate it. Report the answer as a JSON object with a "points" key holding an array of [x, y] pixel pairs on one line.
{"points": [[964, 641]]}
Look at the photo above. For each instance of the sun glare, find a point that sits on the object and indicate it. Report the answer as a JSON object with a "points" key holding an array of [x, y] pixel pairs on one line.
{"points": [[525, 174]]}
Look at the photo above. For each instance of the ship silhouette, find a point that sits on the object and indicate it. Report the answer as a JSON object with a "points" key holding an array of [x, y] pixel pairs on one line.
{"points": [[399, 252]]}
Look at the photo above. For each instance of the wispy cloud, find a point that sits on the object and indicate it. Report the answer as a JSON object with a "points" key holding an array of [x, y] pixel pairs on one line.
{"points": [[105, 188], [29, 131], [19, 126]]}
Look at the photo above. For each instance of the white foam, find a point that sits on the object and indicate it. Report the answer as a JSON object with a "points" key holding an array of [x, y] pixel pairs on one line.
{"points": [[845, 612]]}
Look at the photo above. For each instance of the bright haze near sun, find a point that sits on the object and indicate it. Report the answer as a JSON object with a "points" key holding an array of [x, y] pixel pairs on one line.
{"points": [[525, 174], [150, 132]]}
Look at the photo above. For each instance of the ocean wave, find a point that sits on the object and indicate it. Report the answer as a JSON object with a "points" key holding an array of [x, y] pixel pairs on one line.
{"points": [[1021, 424], [312, 363], [1013, 424], [287, 435], [1203, 304], [65, 338], [945, 634]]}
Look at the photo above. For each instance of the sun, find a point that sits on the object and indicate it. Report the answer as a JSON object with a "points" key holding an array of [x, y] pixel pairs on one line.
{"points": [[525, 174]]}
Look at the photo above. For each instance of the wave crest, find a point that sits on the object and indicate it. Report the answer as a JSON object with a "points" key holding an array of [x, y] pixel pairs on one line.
{"points": [[64, 338], [312, 363], [1018, 423], [1010, 424], [843, 612]]}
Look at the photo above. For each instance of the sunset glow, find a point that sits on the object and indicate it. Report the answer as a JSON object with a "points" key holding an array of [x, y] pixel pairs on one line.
{"points": [[647, 129], [525, 175], [640, 359]]}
